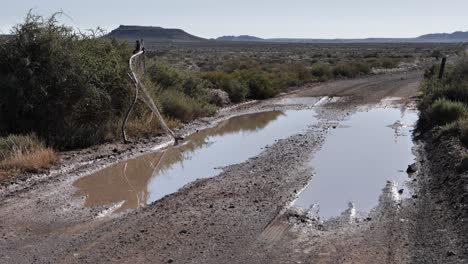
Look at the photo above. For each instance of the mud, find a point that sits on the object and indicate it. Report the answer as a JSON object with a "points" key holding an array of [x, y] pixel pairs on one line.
{"points": [[243, 215]]}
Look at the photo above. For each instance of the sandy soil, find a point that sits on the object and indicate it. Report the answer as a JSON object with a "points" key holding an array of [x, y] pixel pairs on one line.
{"points": [[243, 214]]}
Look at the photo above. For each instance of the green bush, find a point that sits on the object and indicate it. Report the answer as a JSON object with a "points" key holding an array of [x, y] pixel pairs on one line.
{"points": [[64, 86], [445, 102], [229, 83], [259, 83], [165, 75], [351, 69], [344, 70], [444, 111], [178, 105], [322, 72], [237, 90], [388, 63], [360, 67]]}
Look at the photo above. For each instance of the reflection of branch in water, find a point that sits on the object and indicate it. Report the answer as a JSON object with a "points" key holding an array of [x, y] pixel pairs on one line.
{"points": [[132, 189], [159, 162], [397, 130], [251, 122]]}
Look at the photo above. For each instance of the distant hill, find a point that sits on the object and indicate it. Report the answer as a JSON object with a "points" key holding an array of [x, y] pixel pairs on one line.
{"points": [[239, 38], [457, 36], [155, 34]]}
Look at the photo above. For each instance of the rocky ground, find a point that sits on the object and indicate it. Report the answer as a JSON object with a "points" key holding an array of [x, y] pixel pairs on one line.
{"points": [[243, 215]]}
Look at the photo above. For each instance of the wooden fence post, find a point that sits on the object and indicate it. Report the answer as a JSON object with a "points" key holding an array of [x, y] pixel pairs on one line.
{"points": [[442, 68]]}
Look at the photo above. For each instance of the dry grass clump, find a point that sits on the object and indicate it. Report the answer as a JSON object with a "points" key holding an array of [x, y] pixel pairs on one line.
{"points": [[24, 153], [32, 161]]}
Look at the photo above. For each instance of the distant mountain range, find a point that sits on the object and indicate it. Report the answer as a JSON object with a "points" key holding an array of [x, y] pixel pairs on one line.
{"points": [[458, 36], [158, 34]]}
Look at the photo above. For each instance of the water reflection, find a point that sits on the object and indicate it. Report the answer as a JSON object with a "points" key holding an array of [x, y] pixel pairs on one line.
{"points": [[358, 159], [152, 176]]}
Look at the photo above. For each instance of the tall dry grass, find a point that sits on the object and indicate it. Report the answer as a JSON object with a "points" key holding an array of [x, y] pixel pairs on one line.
{"points": [[24, 153], [31, 161]]}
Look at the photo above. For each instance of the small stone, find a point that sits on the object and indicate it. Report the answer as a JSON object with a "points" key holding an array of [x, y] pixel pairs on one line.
{"points": [[401, 191], [170, 260], [183, 232], [412, 168], [450, 254]]}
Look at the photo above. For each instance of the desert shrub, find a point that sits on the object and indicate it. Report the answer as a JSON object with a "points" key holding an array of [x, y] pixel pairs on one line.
{"points": [[321, 71], [196, 88], [388, 63], [459, 73], [301, 72], [229, 83], [445, 102], [454, 92], [430, 72], [165, 75], [259, 83], [444, 111], [237, 90], [176, 104], [171, 78], [360, 67], [351, 69], [344, 70], [64, 86]]}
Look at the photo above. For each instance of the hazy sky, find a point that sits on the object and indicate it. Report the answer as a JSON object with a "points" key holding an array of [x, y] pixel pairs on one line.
{"points": [[263, 18]]}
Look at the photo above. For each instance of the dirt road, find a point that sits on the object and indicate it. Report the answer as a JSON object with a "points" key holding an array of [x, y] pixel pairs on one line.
{"points": [[241, 215]]}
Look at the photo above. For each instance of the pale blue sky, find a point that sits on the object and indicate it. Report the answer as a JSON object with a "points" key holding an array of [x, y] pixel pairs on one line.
{"points": [[263, 18]]}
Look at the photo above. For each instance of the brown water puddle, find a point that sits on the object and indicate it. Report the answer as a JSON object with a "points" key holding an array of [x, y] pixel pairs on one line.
{"points": [[137, 182]]}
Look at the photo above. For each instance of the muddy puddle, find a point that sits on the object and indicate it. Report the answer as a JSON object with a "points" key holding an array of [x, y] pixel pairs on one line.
{"points": [[365, 155], [137, 182]]}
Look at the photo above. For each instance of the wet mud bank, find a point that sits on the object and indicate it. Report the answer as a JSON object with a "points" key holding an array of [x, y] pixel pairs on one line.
{"points": [[442, 204]]}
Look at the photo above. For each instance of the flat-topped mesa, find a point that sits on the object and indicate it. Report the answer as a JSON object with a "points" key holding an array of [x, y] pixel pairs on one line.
{"points": [[150, 33]]}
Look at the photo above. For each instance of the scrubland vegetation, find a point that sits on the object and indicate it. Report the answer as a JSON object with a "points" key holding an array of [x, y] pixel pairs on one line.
{"points": [[71, 89], [445, 102]]}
